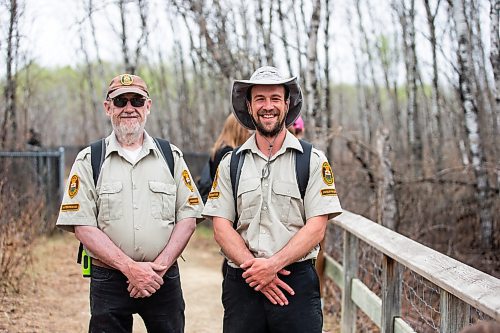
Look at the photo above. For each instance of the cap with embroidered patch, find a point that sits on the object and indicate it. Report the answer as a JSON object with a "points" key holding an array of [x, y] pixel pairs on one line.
{"points": [[127, 83]]}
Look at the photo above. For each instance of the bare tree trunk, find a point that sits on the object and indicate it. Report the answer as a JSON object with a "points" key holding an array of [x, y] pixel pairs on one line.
{"points": [[313, 103], [328, 108], [265, 33], [407, 17], [298, 40], [9, 126], [143, 38], [92, 90], [436, 94], [471, 123], [495, 64], [360, 90], [284, 38], [129, 68], [367, 49], [387, 207]]}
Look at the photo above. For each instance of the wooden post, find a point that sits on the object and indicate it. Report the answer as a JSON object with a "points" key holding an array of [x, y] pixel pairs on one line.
{"points": [[350, 263], [455, 313], [391, 293]]}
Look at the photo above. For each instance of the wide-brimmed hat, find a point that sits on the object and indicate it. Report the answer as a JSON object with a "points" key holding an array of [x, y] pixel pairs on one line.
{"points": [[127, 83], [266, 75]]}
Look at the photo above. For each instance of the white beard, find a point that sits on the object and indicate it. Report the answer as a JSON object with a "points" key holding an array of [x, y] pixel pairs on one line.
{"points": [[127, 134]]}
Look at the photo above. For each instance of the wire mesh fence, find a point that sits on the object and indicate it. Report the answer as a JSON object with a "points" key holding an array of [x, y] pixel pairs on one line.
{"points": [[39, 172], [420, 298]]}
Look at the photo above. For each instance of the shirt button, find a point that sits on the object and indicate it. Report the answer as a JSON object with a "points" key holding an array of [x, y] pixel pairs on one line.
{"points": [[138, 227], [266, 184], [135, 207], [265, 208], [263, 231]]}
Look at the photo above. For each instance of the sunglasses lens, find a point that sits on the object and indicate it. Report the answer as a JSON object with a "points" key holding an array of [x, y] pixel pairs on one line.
{"points": [[120, 102], [136, 102]]}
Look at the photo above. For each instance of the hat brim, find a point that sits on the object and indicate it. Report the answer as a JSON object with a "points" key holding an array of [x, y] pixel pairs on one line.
{"points": [[239, 100], [121, 91]]}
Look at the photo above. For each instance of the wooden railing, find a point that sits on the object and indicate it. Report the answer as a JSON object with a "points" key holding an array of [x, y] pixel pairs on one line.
{"points": [[460, 286]]}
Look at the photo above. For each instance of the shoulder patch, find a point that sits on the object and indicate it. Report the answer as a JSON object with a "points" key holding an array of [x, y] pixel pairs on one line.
{"points": [[216, 179], [187, 180], [327, 174], [74, 184]]}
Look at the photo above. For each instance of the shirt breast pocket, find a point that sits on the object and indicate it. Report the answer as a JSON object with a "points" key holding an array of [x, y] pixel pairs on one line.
{"points": [[286, 201], [162, 200], [249, 198], [111, 197]]}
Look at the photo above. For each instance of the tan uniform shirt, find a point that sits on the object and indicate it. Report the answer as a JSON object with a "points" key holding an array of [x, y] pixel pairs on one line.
{"points": [[271, 210], [135, 204]]}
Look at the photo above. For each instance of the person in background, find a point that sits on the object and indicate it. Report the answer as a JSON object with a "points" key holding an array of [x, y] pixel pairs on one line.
{"points": [[231, 136], [297, 128], [272, 246], [135, 222]]}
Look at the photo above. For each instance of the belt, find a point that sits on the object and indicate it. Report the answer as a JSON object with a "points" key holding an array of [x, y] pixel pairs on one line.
{"points": [[292, 267], [300, 264], [99, 263]]}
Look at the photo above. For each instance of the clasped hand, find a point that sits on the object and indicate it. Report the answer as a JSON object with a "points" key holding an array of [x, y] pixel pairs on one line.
{"points": [[144, 278], [262, 276]]}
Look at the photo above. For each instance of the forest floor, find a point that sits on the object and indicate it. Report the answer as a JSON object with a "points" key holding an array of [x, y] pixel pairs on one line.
{"points": [[53, 296]]}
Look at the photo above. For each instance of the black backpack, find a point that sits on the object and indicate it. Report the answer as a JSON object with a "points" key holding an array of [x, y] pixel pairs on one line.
{"points": [[301, 170], [97, 154], [204, 184]]}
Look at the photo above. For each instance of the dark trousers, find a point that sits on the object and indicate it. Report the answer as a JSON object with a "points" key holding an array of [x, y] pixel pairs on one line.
{"points": [[249, 311], [111, 306]]}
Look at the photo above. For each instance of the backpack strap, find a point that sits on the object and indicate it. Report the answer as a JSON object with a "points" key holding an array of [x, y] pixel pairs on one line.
{"points": [[97, 154], [166, 151], [302, 161], [235, 166]]}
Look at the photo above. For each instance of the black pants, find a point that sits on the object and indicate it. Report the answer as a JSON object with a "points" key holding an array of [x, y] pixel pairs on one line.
{"points": [[249, 311], [111, 306]]}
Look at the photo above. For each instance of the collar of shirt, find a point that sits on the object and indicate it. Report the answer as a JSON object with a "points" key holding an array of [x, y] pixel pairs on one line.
{"points": [[112, 145], [290, 142]]}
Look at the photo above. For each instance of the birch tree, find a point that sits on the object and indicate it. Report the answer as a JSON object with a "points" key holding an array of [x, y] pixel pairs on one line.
{"points": [[472, 128], [436, 94], [313, 105]]}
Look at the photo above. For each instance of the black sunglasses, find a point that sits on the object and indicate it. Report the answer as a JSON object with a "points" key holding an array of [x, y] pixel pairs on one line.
{"points": [[136, 102]]}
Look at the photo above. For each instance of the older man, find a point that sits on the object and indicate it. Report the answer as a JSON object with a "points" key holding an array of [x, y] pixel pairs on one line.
{"points": [[268, 230], [134, 221]]}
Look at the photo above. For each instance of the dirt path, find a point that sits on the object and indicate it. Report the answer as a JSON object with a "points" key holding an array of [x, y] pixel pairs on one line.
{"points": [[54, 298]]}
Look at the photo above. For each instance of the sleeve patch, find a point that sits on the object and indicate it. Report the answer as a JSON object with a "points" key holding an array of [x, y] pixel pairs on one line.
{"points": [[70, 207], [194, 201], [327, 173], [74, 184], [329, 192], [214, 195], [187, 180]]}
